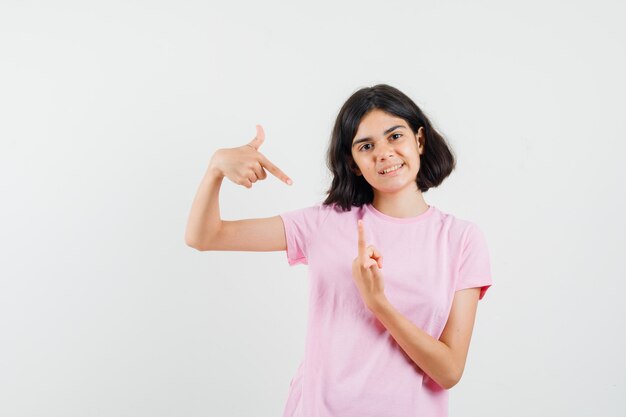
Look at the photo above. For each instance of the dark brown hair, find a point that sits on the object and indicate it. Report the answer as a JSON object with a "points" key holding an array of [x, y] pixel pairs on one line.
{"points": [[347, 188]]}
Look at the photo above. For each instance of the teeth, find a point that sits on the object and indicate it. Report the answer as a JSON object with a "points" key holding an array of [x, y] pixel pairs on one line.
{"points": [[393, 168]]}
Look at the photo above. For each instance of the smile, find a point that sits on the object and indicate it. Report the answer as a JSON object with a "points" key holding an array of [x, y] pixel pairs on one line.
{"points": [[391, 170]]}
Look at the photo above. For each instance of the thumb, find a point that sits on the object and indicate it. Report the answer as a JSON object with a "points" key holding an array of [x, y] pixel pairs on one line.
{"points": [[373, 266], [259, 138]]}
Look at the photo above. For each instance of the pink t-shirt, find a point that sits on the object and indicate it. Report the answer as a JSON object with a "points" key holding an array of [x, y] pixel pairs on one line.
{"points": [[352, 366]]}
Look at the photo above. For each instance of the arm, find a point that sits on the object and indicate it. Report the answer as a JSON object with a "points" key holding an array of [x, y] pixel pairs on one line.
{"points": [[204, 219], [207, 231], [444, 359], [244, 166]]}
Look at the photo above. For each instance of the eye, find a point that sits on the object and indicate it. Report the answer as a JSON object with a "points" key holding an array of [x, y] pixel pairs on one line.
{"points": [[392, 136]]}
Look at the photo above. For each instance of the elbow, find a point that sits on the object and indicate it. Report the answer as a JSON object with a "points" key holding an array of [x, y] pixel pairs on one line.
{"points": [[195, 244], [199, 249], [202, 241], [450, 383], [190, 242], [452, 379]]}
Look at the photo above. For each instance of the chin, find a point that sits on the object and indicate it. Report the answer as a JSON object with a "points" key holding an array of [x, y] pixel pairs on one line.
{"points": [[390, 190]]}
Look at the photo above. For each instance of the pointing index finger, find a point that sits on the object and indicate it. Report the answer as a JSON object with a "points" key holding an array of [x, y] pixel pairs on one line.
{"points": [[274, 170], [361, 240]]}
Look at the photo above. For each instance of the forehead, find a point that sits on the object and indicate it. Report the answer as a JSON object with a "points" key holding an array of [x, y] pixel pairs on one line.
{"points": [[376, 121]]}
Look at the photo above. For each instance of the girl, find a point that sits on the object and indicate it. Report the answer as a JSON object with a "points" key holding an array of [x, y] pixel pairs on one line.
{"points": [[394, 281]]}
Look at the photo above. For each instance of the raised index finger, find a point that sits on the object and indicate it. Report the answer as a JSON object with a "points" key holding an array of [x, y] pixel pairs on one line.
{"points": [[362, 243], [274, 170]]}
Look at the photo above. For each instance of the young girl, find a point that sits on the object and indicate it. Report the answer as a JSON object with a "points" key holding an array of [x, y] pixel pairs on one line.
{"points": [[394, 281]]}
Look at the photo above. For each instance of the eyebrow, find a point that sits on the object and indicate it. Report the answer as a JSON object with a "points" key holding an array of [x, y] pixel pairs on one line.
{"points": [[391, 129]]}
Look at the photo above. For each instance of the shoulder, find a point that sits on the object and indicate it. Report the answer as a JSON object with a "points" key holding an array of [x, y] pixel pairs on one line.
{"points": [[457, 228], [314, 214], [452, 220]]}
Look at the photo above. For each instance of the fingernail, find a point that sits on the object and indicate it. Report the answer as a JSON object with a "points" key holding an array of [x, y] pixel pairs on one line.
{"points": [[289, 181]]}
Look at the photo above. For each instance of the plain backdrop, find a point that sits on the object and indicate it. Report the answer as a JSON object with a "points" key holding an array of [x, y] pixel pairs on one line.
{"points": [[109, 115]]}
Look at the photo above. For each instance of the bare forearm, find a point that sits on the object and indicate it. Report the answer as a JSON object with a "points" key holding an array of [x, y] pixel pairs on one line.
{"points": [[431, 355], [204, 219]]}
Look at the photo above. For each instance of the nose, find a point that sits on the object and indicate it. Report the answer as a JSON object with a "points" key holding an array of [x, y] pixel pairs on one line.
{"points": [[384, 151]]}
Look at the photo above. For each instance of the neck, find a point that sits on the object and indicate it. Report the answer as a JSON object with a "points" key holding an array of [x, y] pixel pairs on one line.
{"points": [[407, 204]]}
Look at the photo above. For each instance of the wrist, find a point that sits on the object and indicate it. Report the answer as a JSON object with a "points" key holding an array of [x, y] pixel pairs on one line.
{"points": [[378, 304], [213, 170]]}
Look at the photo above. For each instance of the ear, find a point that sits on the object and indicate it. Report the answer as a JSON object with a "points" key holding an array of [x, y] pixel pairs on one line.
{"points": [[421, 140]]}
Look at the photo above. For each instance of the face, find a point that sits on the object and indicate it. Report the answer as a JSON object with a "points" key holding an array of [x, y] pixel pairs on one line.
{"points": [[385, 141]]}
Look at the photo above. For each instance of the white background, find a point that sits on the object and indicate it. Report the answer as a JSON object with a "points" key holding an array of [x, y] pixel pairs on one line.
{"points": [[110, 112]]}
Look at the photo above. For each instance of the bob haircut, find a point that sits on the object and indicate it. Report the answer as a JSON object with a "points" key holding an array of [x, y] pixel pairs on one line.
{"points": [[347, 188]]}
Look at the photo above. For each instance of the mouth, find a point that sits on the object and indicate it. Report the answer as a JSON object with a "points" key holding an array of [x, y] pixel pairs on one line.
{"points": [[397, 168]]}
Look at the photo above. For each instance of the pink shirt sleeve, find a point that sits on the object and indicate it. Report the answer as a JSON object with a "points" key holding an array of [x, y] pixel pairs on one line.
{"points": [[475, 268], [300, 226]]}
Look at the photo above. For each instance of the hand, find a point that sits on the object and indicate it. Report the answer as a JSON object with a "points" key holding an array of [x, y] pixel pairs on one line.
{"points": [[245, 165], [366, 273]]}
